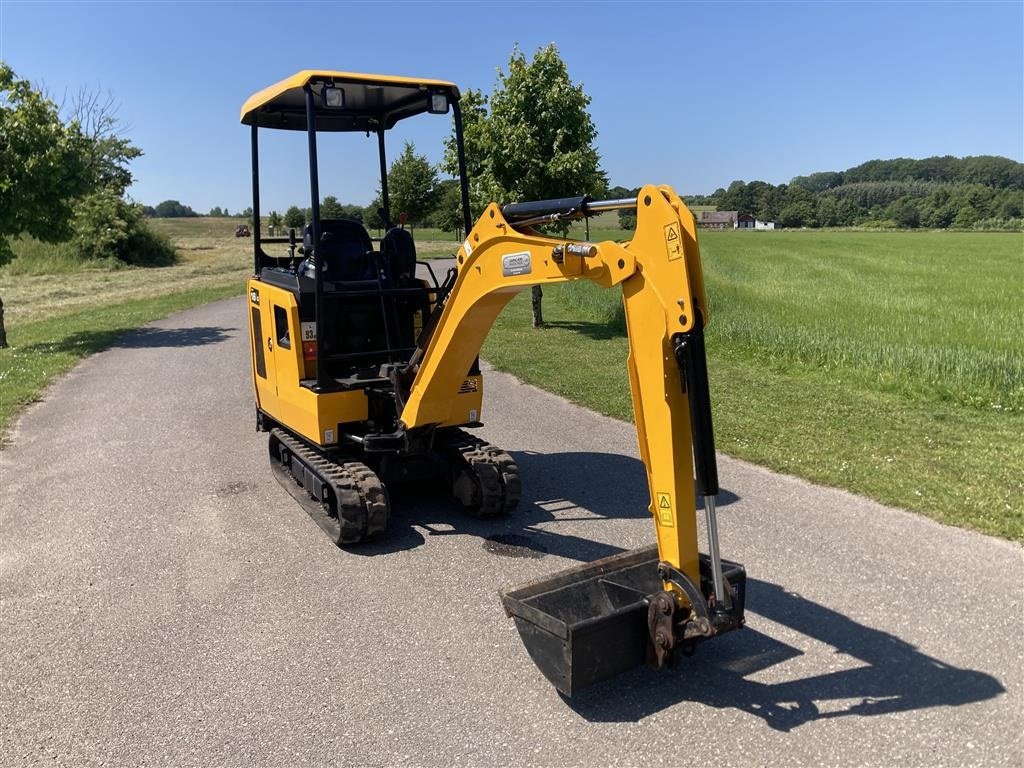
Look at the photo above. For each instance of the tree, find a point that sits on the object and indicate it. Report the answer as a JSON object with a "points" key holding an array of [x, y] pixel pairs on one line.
{"points": [[331, 208], [294, 217], [447, 214], [44, 166], [799, 214], [371, 215], [412, 185], [172, 209], [106, 224], [273, 221], [535, 142]]}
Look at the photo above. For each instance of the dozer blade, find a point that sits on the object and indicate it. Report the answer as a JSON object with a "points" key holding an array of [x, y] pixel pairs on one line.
{"points": [[590, 622]]}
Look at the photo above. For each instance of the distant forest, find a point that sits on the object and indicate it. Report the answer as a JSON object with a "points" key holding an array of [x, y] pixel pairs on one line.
{"points": [[982, 192]]}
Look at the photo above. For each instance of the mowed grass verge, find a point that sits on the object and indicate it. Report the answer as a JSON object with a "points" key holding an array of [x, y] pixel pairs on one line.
{"points": [[889, 364], [59, 310], [54, 320]]}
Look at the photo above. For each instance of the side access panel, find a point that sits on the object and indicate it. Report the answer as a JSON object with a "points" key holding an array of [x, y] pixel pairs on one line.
{"points": [[264, 366]]}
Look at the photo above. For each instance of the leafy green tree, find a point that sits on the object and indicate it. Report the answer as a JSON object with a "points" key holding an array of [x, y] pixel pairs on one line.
{"points": [[105, 224], [274, 221], [904, 213], [44, 166], [371, 215], [799, 214], [412, 185], [354, 212], [172, 209], [330, 208], [447, 215], [294, 217], [533, 139]]}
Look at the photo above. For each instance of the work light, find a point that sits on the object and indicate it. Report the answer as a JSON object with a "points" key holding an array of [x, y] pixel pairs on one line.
{"points": [[438, 103], [334, 97]]}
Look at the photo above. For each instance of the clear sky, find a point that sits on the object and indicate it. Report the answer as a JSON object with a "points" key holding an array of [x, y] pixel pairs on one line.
{"points": [[690, 94]]}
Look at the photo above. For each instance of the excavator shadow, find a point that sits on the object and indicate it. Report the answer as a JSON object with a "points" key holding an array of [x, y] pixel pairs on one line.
{"points": [[886, 674], [557, 488]]}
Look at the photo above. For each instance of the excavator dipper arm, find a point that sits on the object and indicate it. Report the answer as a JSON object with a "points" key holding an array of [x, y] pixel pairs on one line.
{"points": [[682, 597]]}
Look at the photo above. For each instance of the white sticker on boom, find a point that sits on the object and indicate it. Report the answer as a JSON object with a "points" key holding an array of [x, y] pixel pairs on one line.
{"points": [[516, 264], [309, 331], [467, 247]]}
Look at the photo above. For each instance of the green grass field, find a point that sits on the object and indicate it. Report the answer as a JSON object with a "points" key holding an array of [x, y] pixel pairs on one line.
{"points": [[890, 364]]}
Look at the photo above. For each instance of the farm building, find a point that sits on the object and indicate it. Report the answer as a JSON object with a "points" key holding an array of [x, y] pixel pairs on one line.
{"points": [[745, 221], [717, 219], [758, 224]]}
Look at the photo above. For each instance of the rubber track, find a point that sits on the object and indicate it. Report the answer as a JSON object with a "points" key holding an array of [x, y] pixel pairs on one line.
{"points": [[497, 472], [361, 501]]}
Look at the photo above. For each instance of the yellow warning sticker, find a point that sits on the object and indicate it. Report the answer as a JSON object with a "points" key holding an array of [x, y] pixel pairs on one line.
{"points": [[665, 516], [673, 242]]}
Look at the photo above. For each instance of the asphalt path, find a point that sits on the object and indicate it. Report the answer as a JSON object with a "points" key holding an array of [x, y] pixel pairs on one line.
{"points": [[165, 602]]}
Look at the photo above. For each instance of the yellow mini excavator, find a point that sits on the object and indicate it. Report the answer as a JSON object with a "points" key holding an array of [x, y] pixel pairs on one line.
{"points": [[366, 374]]}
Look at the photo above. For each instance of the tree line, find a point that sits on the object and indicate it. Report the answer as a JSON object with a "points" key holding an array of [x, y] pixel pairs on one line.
{"points": [[983, 192]]}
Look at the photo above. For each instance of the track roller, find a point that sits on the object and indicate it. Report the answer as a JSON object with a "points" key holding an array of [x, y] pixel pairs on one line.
{"points": [[346, 499], [484, 478]]}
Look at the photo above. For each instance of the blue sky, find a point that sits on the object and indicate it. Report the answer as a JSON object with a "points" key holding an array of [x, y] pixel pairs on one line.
{"points": [[690, 94]]}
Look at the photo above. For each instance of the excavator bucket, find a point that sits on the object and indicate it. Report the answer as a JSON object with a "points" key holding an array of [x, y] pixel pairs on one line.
{"points": [[590, 622]]}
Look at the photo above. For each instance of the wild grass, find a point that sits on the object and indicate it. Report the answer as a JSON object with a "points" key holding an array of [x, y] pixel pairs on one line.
{"points": [[890, 364]]}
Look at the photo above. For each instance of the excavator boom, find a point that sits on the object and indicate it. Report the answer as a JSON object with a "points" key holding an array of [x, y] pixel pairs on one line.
{"points": [[580, 625]]}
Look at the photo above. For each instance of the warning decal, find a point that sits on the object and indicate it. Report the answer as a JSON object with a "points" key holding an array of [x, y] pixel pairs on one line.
{"points": [[665, 516], [673, 243]]}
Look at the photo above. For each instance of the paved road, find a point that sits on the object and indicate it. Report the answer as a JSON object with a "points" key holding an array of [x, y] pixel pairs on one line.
{"points": [[165, 602]]}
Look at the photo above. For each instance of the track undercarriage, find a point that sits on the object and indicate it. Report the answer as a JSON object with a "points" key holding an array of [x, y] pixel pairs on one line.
{"points": [[348, 499]]}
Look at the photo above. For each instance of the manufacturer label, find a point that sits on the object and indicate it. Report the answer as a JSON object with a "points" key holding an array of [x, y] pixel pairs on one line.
{"points": [[254, 296], [673, 242], [328, 436], [472, 416], [516, 264], [664, 511], [309, 331]]}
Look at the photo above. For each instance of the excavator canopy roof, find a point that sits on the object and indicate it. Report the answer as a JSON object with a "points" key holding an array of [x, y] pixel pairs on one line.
{"points": [[346, 101]]}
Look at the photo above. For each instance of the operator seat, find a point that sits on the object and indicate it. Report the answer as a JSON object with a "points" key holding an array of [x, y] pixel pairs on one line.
{"points": [[344, 250], [398, 258], [398, 254]]}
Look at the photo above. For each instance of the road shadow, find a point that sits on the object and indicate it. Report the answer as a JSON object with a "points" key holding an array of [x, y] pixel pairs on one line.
{"points": [[890, 674], [557, 487], [89, 342]]}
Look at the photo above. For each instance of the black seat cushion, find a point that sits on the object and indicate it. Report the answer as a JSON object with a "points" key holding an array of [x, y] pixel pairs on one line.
{"points": [[344, 249], [398, 254]]}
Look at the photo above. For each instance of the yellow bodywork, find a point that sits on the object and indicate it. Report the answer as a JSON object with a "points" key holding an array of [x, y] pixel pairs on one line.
{"points": [[293, 86], [662, 284], [279, 392], [659, 273]]}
